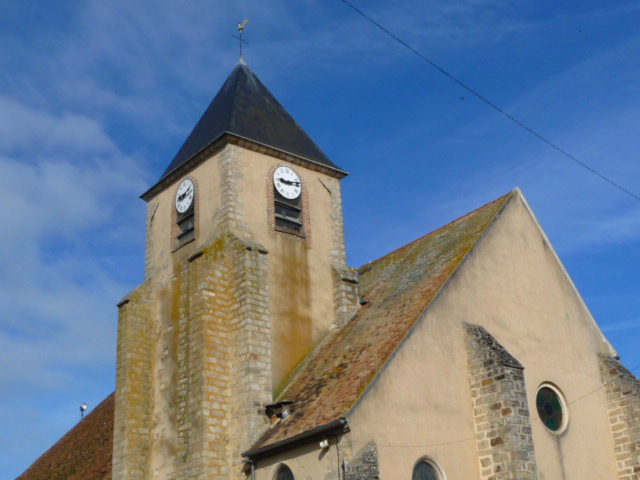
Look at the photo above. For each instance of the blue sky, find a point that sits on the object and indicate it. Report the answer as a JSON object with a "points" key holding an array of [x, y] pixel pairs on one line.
{"points": [[96, 98]]}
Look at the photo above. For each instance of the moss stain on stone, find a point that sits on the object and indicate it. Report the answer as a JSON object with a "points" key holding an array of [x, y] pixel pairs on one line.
{"points": [[292, 329]]}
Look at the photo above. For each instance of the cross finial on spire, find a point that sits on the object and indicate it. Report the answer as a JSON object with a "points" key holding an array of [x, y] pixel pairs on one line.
{"points": [[240, 29]]}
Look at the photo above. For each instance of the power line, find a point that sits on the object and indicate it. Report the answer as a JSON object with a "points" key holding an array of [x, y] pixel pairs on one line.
{"points": [[468, 439], [490, 103]]}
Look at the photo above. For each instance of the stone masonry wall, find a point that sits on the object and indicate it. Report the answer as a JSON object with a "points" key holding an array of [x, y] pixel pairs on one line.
{"points": [[230, 216], [345, 293], [365, 464], [133, 387], [203, 366], [622, 391], [193, 367], [149, 266], [225, 369], [345, 279], [501, 414], [251, 362], [338, 252]]}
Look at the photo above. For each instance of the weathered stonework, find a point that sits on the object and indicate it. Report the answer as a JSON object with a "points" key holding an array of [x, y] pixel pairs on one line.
{"points": [[365, 465], [622, 390], [501, 414], [251, 336], [193, 367], [345, 279], [134, 394], [149, 265], [230, 216], [338, 253], [201, 294], [345, 293]]}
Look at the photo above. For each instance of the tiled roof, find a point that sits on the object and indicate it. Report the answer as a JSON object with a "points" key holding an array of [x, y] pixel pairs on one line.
{"points": [[244, 107], [398, 288], [84, 453]]}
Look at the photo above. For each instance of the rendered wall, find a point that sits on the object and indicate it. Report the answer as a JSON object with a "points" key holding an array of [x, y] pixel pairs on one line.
{"points": [[513, 286], [307, 462]]}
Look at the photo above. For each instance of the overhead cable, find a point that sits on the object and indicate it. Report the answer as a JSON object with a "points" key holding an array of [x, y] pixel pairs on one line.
{"points": [[490, 103]]}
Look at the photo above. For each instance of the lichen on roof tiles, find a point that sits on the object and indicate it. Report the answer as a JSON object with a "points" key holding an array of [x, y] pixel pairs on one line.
{"points": [[398, 288]]}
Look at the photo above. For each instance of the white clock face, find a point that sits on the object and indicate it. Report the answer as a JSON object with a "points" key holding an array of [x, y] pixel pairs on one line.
{"points": [[287, 182], [184, 195]]}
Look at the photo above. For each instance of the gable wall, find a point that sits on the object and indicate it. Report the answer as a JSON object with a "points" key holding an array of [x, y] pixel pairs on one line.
{"points": [[421, 405], [513, 286]]}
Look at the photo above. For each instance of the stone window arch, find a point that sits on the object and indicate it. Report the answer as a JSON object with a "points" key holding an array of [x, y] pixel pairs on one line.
{"points": [[427, 469], [283, 472]]}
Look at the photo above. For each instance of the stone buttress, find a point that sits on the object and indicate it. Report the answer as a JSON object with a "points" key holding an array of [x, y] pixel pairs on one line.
{"points": [[500, 410], [622, 392], [193, 359]]}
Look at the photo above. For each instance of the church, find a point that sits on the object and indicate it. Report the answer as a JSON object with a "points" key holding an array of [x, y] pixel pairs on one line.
{"points": [[251, 351]]}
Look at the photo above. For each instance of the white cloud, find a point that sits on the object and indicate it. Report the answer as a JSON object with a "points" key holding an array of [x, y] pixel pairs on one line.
{"points": [[57, 299], [27, 129], [633, 324], [584, 212]]}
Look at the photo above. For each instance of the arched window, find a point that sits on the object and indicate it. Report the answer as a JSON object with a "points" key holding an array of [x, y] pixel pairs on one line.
{"points": [[425, 471], [284, 473]]}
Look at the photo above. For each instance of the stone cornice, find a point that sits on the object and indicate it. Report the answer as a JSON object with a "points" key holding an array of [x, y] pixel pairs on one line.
{"points": [[232, 139]]}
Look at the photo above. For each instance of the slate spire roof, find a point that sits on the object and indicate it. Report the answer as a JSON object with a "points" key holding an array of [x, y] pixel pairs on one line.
{"points": [[245, 108]]}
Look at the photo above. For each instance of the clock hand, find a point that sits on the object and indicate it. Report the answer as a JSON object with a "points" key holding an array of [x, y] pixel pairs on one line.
{"points": [[289, 182], [181, 197]]}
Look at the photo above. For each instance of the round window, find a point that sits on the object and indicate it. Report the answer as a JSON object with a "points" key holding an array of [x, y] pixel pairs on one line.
{"points": [[551, 408]]}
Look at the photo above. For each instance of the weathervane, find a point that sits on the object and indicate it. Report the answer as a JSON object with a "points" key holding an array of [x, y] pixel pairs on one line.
{"points": [[240, 29]]}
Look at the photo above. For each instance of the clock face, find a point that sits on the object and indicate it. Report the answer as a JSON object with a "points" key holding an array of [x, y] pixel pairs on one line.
{"points": [[184, 195], [287, 182]]}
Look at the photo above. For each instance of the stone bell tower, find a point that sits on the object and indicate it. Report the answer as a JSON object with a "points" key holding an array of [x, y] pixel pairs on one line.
{"points": [[245, 274]]}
